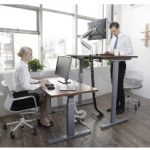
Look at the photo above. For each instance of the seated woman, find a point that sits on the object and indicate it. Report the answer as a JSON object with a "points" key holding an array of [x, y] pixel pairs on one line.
{"points": [[23, 83]]}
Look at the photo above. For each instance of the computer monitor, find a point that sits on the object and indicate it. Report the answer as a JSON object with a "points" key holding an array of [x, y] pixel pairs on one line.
{"points": [[98, 28], [63, 68]]}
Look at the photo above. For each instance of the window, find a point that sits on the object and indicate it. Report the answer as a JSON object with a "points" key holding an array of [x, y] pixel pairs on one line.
{"points": [[21, 24], [57, 37], [6, 51], [13, 24], [26, 40], [10, 44], [60, 6], [91, 10], [16, 18]]}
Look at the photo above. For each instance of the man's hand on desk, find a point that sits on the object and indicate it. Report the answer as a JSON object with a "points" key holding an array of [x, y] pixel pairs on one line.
{"points": [[108, 53]]}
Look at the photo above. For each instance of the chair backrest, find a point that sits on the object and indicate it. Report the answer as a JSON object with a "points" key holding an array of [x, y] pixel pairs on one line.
{"points": [[134, 74], [9, 98], [8, 102], [8, 80]]}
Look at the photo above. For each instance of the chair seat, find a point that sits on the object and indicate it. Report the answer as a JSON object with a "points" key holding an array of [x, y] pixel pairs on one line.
{"points": [[130, 83]]}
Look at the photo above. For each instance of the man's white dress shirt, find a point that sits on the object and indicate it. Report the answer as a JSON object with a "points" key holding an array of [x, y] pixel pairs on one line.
{"points": [[23, 80], [124, 45]]}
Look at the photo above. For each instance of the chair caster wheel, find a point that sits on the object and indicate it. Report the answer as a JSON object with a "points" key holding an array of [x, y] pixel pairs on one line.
{"points": [[5, 127], [82, 120], [12, 135], [22, 126], [34, 132]]}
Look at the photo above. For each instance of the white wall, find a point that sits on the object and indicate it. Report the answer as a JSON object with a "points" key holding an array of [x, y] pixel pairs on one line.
{"points": [[132, 22]]}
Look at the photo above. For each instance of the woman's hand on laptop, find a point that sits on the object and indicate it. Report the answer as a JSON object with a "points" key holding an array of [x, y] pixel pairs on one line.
{"points": [[44, 81], [42, 85]]}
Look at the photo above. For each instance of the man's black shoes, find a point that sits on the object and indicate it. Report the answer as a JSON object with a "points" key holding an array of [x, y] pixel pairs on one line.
{"points": [[120, 111]]}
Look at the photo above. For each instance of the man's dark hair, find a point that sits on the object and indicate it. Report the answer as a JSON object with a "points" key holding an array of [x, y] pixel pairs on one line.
{"points": [[114, 24]]}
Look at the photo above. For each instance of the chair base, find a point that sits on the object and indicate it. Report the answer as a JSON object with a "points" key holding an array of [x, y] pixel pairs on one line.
{"points": [[135, 103], [22, 121]]}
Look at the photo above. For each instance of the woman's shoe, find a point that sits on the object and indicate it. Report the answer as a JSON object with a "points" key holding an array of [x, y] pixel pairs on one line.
{"points": [[109, 110], [51, 124]]}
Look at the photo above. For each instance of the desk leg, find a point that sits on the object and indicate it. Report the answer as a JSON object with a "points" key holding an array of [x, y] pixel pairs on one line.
{"points": [[70, 116], [71, 132], [113, 120], [49, 107], [80, 76]]}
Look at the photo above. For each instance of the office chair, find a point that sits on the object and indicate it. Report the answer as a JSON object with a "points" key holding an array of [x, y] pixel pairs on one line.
{"points": [[21, 112], [132, 81]]}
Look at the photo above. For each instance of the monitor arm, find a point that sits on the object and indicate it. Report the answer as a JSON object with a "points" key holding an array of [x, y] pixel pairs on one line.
{"points": [[85, 35], [85, 44]]}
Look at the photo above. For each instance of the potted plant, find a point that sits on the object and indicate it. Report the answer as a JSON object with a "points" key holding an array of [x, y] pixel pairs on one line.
{"points": [[86, 63], [35, 65]]}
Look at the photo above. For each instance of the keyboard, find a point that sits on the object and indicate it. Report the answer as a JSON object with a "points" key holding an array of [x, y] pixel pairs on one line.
{"points": [[72, 88]]}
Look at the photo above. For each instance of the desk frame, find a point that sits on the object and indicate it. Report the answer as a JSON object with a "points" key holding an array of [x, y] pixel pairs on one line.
{"points": [[115, 60], [71, 130], [113, 120]]}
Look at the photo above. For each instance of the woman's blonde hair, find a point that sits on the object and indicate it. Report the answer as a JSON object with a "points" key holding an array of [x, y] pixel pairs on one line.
{"points": [[23, 50]]}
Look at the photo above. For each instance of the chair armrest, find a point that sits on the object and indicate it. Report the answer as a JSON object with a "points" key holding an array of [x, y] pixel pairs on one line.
{"points": [[26, 97], [10, 100]]}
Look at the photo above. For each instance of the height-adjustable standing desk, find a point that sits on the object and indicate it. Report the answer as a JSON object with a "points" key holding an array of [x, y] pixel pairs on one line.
{"points": [[72, 131], [115, 60]]}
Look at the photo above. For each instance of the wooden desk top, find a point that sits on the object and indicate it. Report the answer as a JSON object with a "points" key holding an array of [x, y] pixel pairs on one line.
{"points": [[80, 88], [104, 56]]}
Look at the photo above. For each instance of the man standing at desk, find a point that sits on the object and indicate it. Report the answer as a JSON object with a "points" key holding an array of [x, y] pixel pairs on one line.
{"points": [[120, 45]]}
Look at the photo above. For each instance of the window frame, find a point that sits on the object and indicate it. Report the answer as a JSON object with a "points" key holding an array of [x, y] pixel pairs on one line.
{"points": [[26, 7]]}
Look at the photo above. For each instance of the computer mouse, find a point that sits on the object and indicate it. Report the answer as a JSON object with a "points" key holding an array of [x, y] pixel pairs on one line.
{"points": [[50, 87]]}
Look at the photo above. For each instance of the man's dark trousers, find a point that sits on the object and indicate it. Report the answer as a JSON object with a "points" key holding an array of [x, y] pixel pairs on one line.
{"points": [[120, 105]]}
